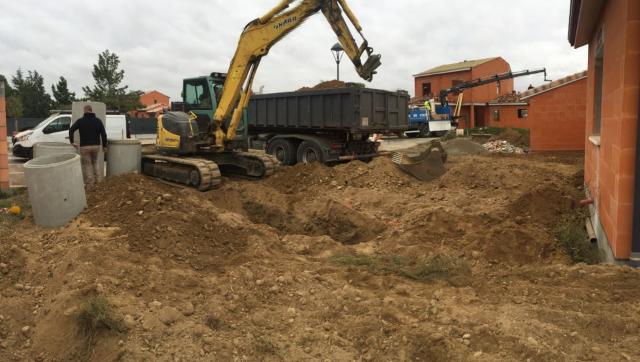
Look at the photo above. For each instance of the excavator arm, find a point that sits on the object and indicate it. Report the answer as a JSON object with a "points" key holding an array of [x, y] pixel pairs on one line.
{"points": [[261, 34]]}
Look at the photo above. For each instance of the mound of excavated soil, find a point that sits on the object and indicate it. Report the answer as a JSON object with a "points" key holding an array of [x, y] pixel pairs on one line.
{"points": [[331, 84], [155, 218], [463, 146], [351, 262]]}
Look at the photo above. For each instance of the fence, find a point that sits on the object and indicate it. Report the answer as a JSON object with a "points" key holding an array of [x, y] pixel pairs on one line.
{"points": [[138, 125]]}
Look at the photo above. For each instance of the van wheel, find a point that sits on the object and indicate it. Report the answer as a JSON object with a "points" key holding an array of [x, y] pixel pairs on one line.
{"points": [[309, 152], [284, 150]]}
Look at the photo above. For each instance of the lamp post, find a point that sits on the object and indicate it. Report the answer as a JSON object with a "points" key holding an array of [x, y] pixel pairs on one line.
{"points": [[337, 52]]}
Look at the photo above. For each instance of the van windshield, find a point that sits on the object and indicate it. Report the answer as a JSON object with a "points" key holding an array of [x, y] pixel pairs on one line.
{"points": [[45, 122]]}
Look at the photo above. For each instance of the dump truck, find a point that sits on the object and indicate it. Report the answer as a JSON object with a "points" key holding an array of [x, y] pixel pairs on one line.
{"points": [[325, 125]]}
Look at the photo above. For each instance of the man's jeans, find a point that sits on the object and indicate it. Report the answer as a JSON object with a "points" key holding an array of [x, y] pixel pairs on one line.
{"points": [[90, 164]]}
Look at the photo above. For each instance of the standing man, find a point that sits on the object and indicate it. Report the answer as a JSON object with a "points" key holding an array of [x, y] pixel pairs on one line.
{"points": [[91, 133], [427, 107]]}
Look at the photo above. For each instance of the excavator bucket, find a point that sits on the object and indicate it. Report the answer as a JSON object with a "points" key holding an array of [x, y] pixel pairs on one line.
{"points": [[426, 165]]}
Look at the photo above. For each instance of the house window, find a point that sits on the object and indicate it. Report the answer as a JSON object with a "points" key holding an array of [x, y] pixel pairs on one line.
{"points": [[426, 89], [155, 101], [496, 115], [599, 66], [523, 113]]}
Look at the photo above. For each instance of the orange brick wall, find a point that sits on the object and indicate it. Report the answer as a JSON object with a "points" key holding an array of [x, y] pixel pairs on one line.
{"points": [[556, 118], [441, 81], [488, 92], [480, 94], [508, 117], [4, 156], [609, 169], [154, 97]]}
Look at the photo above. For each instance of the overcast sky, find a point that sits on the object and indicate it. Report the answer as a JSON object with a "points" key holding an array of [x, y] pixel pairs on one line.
{"points": [[160, 42]]}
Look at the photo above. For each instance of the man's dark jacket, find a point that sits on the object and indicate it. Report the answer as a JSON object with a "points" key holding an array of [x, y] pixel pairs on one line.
{"points": [[91, 130]]}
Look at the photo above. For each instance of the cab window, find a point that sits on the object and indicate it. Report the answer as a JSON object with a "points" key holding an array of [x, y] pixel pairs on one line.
{"points": [[196, 94], [58, 125]]}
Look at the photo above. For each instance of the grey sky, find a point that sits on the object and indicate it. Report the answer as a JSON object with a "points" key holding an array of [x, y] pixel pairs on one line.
{"points": [[160, 42]]}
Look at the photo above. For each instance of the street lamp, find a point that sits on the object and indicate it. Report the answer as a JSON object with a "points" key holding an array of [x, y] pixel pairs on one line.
{"points": [[337, 52]]}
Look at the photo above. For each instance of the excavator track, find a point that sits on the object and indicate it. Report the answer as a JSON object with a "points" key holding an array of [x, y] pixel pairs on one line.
{"points": [[270, 162], [199, 173], [247, 165]]}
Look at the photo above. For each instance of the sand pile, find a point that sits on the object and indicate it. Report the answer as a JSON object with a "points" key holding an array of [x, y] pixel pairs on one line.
{"points": [[463, 146]]}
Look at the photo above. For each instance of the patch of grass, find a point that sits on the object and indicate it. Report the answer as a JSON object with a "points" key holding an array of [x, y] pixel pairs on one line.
{"points": [[263, 345], [437, 267], [96, 315], [575, 240]]}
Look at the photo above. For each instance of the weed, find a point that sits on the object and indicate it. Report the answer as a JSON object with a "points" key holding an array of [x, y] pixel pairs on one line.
{"points": [[575, 240], [96, 315], [213, 322], [437, 267]]}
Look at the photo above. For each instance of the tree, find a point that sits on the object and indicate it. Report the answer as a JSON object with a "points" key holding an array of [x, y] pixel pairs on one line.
{"points": [[33, 97], [131, 101], [14, 107], [63, 97], [108, 78]]}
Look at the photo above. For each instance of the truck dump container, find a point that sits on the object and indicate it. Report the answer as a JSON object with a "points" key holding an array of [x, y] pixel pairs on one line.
{"points": [[350, 110]]}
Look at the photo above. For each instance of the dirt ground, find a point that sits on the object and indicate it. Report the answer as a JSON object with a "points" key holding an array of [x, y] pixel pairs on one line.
{"points": [[357, 262]]}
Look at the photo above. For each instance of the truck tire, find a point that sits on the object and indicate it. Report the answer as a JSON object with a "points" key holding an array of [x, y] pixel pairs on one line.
{"points": [[284, 150], [424, 130], [309, 152]]}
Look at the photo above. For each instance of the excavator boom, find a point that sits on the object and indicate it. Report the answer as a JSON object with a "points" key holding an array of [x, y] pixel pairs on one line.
{"points": [[261, 34]]}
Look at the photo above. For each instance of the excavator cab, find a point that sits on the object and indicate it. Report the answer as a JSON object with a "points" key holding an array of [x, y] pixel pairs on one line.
{"points": [[186, 131]]}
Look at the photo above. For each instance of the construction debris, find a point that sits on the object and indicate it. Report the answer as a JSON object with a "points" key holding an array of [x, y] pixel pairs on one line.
{"points": [[502, 147]]}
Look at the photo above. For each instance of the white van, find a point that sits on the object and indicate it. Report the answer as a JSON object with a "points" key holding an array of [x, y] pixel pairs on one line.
{"points": [[56, 129]]}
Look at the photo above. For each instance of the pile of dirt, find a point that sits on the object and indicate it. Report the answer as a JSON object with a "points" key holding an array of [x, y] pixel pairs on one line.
{"points": [[545, 203], [378, 173], [352, 262], [331, 84], [463, 146], [154, 218]]}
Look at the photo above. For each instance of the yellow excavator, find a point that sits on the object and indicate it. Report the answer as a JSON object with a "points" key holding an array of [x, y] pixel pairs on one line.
{"points": [[209, 137]]}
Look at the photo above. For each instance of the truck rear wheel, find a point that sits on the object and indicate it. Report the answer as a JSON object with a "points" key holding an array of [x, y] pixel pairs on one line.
{"points": [[284, 150], [309, 152], [424, 130]]}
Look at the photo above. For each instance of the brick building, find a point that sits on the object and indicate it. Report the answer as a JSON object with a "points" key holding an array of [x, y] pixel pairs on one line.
{"points": [[554, 113], [4, 148], [429, 83], [611, 29], [154, 102]]}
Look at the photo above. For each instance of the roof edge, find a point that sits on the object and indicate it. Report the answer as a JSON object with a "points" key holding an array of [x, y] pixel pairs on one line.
{"points": [[440, 73], [540, 90]]}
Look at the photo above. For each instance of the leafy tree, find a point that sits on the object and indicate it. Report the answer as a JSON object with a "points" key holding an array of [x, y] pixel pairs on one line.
{"points": [[108, 78], [14, 107], [63, 97], [131, 101], [30, 90]]}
